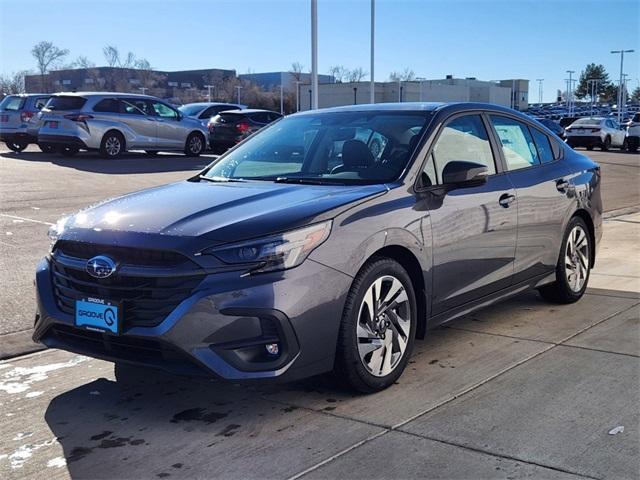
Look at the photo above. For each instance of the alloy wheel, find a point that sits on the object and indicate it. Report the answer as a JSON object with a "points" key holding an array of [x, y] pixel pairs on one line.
{"points": [[195, 144], [384, 325], [112, 146], [576, 258]]}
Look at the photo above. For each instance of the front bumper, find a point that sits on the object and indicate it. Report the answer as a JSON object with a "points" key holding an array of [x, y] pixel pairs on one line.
{"points": [[222, 328]]}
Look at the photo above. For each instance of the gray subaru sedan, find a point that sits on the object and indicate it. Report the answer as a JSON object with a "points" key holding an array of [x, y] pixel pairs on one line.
{"points": [[329, 241]]}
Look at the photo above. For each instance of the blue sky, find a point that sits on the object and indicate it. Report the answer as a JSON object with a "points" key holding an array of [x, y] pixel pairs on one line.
{"points": [[487, 39]]}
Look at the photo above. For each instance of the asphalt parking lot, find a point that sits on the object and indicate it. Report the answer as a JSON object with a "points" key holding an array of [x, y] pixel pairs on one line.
{"points": [[525, 389]]}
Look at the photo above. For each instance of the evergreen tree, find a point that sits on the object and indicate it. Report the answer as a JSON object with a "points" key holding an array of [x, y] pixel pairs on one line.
{"points": [[592, 71]]}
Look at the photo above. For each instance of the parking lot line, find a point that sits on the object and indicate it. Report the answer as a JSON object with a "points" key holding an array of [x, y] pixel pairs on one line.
{"points": [[24, 219]]}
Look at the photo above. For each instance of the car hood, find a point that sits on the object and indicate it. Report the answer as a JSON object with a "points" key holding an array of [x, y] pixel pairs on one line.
{"points": [[220, 211]]}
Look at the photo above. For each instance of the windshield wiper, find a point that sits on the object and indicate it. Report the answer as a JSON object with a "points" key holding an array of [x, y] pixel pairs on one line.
{"points": [[220, 179], [306, 180]]}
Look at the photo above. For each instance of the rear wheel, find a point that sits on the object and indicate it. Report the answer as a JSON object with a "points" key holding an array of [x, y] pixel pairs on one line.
{"points": [[46, 148], [606, 144], [574, 265], [112, 145], [378, 327], [67, 150], [16, 146], [590, 147], [195, 145]]}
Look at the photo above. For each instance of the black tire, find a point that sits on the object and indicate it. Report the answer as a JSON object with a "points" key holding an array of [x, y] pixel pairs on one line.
{"points": [[151, 153], [16, 146], [349, 367], [112, 145], [195, 145], [46, 148], [560, 291], [606, 144], [624, 145], [67, 150], [590, 147]]}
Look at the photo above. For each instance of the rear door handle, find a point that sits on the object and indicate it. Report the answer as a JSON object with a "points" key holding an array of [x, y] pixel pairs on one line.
{"points": [[506, 199], [562, 185]]}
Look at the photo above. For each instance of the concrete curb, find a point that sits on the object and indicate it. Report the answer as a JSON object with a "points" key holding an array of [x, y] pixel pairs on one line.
{"points": [[620, 212]]}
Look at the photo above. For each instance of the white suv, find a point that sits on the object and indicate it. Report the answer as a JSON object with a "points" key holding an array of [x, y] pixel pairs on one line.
{"points": [[113, 123], [592, 132], [633, 133]]}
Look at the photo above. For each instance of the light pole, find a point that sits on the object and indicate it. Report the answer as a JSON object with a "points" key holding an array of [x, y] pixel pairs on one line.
{"points": [[209, 87], [399, 90], [421, 79], [355, 95], [372, 93], [238, 88], [570, 92], [539, 80], [298, 82], [621, 52], [314, 54], [593, 91]]}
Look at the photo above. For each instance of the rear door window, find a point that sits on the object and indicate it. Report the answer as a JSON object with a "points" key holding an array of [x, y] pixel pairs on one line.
{"points": [[108, 105], [63, 103], [543, 145], [12, 102], [517, 143]]}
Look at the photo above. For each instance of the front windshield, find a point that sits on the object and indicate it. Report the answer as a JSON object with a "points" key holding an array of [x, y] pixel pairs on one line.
{"points": [[191, 110], [343, 148]]}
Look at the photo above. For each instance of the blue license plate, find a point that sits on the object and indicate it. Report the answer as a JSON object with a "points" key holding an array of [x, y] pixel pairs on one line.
{"points": [[98, 315]]}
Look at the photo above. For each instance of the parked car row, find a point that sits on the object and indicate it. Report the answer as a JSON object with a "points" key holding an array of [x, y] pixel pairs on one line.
{"points": [[113, 123]]}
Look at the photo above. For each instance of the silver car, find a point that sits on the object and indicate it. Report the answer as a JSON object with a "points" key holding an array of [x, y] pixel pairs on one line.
{"points": [[113, 123], [204, 111], [16, 115]]}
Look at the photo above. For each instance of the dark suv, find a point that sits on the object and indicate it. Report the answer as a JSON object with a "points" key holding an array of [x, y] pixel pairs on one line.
{"points": [[229, 128], [329, 240]]}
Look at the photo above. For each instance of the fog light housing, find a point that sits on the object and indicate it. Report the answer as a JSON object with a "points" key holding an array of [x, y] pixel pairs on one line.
{"points": [[272, 348]]}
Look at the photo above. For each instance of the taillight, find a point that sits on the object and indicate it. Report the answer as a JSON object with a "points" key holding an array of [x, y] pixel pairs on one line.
{"points": [[242, 127], [78, 117], [26, 116]]}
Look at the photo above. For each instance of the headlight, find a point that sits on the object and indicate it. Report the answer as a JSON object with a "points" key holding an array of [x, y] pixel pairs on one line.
{"points": [[55, 231], [275, 252]]}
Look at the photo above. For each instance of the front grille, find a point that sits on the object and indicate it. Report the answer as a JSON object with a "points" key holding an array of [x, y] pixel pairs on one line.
{"points": [[146, 298]]}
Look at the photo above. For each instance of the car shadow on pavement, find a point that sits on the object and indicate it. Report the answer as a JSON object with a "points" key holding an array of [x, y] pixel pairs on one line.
{"points": [[174, 425], [131, 163]]}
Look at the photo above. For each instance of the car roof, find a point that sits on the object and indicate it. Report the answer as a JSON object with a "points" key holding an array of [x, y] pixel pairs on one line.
{"points": [[249, 110], [206, 104], [27, 95], [102, 94]]}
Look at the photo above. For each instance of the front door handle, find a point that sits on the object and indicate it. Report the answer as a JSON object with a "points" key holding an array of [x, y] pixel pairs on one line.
{"points": [[506, 199], [562, 185]]}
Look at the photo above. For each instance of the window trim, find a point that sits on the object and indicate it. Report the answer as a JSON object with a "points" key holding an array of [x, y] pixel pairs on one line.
{"points": [[497, 159]]}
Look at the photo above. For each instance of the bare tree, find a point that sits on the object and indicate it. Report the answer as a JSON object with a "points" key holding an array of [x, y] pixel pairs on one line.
{"points": [[82, 62], [296, 70], [46, 55], [338, 72], [12, 83], [356, 75], [405, 76]]}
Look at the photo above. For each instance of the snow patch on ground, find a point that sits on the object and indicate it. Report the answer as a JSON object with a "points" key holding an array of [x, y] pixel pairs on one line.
{"points": [[57, 462], [19, 379], [22, 454]]}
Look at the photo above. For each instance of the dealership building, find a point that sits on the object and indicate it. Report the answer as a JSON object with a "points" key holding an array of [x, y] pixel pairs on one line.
{"points": [[509, 93]]}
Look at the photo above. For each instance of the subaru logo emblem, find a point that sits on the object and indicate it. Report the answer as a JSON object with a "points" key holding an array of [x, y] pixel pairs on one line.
{"points": [[100, 266]]}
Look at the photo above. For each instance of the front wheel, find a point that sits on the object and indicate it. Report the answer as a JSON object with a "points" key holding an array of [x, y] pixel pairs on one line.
{"points": [[378, 327], [195, 145], [606, 144], [16, 146], [46, 148], [573, 267]]}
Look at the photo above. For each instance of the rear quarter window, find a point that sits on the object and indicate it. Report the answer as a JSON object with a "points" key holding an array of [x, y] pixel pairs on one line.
{"points": [[66, 103], [108, 105], [543, 146], [12, 102]]}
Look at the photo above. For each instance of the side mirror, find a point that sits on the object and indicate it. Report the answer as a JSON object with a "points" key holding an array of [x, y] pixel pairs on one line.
{"points": [[464, 174]]}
